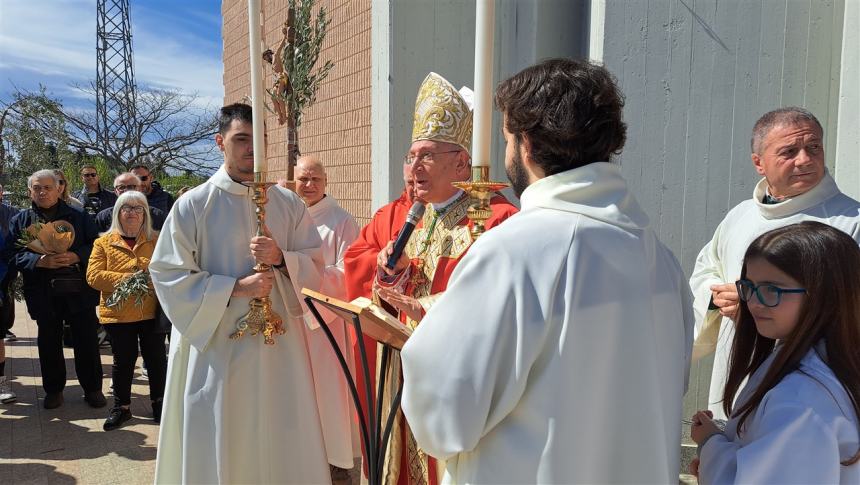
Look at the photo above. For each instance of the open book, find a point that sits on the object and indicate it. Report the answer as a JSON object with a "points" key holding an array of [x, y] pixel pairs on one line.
{"points": [[376, 323]]}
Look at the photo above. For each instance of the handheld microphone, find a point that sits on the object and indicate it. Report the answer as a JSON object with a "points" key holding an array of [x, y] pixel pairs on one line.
{"points": [[415, 214]]}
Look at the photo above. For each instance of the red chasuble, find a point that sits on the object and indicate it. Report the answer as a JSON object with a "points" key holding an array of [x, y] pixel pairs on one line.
{"points": [[360, 258], [440, 240], [359, 263]]}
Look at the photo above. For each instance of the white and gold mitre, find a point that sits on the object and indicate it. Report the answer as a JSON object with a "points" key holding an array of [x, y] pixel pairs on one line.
{"points": [[442, 113]]}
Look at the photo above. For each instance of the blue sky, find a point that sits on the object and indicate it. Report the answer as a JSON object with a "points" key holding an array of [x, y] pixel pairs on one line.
{"points": [[177, 45]]}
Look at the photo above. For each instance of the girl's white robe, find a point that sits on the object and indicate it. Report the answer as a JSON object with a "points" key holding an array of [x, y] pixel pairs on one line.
{"points": [[799, 433]]}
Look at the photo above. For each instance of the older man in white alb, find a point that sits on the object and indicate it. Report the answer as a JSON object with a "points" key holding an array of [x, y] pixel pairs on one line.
{"points": [[788, 151]]}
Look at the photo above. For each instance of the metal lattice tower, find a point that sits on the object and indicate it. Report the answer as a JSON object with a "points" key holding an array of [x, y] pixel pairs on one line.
{"points": [[115, 89]]}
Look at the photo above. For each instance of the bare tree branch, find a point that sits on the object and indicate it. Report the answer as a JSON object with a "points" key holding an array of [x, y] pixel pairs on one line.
{"points": [[169, 131]]}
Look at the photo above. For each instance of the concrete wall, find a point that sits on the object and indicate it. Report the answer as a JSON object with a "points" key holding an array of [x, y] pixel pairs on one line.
{"points": [[337, 126], [696, 75], [848, 140], [413, 37]]}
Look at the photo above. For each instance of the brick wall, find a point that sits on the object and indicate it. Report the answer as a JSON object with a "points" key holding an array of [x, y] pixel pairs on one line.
{"points": [[337, 126]]}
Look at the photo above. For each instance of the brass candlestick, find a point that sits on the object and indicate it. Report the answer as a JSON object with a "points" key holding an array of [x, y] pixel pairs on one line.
{"points": [[481, 190], [261, 317]]}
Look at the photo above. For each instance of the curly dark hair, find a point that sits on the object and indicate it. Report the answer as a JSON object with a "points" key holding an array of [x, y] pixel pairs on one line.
{"points": [[570, 110]]}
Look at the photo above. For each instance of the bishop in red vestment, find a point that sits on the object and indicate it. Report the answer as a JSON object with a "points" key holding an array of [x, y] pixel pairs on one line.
{"points": [[438, 156]]}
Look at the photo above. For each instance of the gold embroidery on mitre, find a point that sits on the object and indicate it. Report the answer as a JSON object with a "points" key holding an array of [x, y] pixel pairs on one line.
{"points": [[441, 114]]}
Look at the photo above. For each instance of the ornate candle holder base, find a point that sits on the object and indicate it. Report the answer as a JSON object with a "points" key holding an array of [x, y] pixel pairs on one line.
{"points": [[260, 318], [481, 190]]}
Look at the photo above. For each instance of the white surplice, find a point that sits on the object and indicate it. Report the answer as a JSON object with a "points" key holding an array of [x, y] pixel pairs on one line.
{"points": [[560, 351], [721, 260], [338, 230], [799, 433], [236, 411]]}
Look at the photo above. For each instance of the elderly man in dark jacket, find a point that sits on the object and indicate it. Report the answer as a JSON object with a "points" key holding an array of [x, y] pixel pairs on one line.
{"points": [[122, 183], [56, 292]]}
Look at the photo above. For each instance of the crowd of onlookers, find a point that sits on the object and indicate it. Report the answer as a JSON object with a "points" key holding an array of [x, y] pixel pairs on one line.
{"points": [[82, 259]]}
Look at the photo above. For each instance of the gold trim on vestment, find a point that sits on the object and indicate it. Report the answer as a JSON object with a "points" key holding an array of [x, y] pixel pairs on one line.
{"points": [[449, 240]]}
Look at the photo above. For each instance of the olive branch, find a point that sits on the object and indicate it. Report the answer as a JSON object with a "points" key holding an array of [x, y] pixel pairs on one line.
{"points": [[295, 80], [137, 286]]}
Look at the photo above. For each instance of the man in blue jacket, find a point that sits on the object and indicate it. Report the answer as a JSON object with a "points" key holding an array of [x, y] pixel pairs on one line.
{"points": [[7, 306], [56, 292]]}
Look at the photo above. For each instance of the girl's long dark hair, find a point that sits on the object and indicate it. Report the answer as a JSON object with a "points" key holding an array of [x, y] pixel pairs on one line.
{"points": [[826, 262]]}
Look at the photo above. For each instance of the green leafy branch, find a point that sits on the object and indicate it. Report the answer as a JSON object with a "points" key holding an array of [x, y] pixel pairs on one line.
{"points": [[310, 34], [137, 286], [298, 82]]}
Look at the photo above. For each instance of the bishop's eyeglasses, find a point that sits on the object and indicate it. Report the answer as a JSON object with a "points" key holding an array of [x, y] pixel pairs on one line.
{"points": [[768, 295], [426, 157]]}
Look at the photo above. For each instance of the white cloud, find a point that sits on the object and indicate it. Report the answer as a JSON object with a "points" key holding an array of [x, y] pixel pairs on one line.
{"points": [[60, 39], [56, 40], [170, 64]]}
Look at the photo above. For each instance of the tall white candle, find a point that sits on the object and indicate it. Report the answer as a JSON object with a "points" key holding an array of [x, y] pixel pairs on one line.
{"points": [[483, 117], [256, 64]]}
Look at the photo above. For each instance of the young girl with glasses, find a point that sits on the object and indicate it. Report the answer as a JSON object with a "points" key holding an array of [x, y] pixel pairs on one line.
{"points": [[796, 344]]}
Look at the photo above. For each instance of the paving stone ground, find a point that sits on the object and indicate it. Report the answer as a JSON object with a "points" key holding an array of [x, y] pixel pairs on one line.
{"points": [[67, 444]]}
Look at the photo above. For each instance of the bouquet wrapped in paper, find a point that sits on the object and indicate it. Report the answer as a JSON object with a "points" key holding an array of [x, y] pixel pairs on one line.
{"points": [[48, 237]]}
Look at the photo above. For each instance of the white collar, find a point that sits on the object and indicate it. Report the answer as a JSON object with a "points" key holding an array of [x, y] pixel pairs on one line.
{"points": [[597, 190], [322, 205], [441, 206], [824, 190], [222, 180]]}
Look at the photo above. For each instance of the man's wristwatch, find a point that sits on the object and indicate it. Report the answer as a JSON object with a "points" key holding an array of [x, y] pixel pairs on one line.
{"points": [[282, 264]]}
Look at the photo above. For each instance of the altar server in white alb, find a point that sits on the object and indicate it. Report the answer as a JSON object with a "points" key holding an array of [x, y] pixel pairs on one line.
{"points": [[337, 229], [237, 411], [572, 366], [788, 151], [793, 391]]}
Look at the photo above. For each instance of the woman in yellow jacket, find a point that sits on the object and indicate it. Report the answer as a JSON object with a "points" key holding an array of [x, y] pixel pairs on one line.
{"points": [[123, 250]]}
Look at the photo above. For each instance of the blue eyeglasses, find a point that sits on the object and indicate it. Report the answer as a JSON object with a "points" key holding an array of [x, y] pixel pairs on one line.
{"points": [[767, 294]]}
